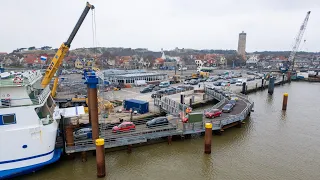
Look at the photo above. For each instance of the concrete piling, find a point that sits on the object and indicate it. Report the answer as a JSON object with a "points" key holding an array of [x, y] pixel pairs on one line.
{"points": [[208, 138], [285, 101], [101, 169], [271, 85]]}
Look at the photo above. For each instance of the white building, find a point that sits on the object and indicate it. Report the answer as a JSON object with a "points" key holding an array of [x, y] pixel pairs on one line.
{"points": [[253, 59], [199, 63]]}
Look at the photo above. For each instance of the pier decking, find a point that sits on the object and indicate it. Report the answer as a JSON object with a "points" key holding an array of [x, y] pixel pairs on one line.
{"points": [[142, 133]]}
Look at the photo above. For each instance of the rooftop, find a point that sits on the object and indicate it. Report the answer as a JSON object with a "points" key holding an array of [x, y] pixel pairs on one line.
{"points": [[109, 72], [140, 74]]}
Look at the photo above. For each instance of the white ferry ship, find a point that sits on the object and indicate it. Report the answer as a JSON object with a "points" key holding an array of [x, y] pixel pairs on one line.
{"points": [[29, 121]]}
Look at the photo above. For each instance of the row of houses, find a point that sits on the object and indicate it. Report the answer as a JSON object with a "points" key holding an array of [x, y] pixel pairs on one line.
{"points": [[276, 61]]}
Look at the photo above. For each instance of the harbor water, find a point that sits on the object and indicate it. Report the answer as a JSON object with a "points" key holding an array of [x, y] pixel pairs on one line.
{"points": [[272, 144]]}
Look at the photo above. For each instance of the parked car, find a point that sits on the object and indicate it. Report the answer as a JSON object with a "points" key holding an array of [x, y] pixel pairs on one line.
{"points": [[213, 113], [193, 82], [186, 81], [83, 133], [158, 93], [170, 90], [159, 121], [164, 84], [239, 82], [124, 127], [146, 90], [233, 102], [227, 108], [233, 81], [218, 83], [152, 86], [156, 88], [225, 83]]}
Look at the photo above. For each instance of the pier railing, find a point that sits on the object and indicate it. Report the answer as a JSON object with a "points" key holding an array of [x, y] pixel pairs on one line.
{"points": [[170, 106]]}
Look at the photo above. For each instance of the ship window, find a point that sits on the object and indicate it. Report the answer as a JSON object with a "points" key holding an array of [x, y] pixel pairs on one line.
{"points": [[8, 119]]}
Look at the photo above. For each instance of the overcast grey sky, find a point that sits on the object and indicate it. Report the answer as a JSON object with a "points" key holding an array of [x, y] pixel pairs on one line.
{"points": [[156, 24]]}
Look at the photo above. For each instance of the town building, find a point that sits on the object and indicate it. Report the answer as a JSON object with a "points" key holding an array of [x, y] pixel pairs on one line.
{"points": [[252, 60], [131, 76]]}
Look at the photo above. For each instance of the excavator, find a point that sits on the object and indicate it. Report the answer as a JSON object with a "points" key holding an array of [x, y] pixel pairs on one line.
{"points": [[54, 66]]}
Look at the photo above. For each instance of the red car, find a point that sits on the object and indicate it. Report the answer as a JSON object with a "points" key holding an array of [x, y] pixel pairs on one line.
{"points": [[213, 113], [124, 127]]}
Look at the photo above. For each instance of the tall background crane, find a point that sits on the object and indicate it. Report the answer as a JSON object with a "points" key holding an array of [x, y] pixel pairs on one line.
{"points": [[298, 40]]}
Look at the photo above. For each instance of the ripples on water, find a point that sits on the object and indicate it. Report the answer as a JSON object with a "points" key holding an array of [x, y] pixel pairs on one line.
{"points": [[271, 145]]}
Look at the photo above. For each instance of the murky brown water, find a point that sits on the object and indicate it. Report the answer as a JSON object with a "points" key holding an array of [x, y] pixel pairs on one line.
{"points": [[271, 145]]}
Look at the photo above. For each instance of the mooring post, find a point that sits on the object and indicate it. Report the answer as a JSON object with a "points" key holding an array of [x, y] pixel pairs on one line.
{"points": [[285, 101], [282, 78], [92, 81], [182, 98], [208, 138], [69, 139], [244, 86], [271, 85], [101, 169], [262, 83], [190, 102]]}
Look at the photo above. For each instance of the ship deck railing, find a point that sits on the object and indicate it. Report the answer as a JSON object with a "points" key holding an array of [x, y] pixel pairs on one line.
{"points": [[7, 102], [27, 78]]}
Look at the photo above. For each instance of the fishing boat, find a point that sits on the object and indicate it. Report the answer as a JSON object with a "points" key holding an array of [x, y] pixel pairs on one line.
{"points": [[29, 121]]}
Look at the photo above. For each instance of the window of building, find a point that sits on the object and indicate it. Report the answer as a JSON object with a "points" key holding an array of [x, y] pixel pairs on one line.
{"points": [[7, 119]]}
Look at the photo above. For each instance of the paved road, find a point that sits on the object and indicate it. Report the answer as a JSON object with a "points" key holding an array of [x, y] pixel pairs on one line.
{"points": [[239, 107]]}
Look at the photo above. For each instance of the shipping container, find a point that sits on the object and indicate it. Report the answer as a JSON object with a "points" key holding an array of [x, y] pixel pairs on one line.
{"points": [[136, 105]]}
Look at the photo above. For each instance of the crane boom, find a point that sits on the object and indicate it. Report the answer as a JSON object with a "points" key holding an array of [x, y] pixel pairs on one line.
{"points": [[298, 39], [64, 48]]}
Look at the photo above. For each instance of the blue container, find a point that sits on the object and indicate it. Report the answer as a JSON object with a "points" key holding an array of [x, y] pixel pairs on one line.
{"points": [[136, 105]]}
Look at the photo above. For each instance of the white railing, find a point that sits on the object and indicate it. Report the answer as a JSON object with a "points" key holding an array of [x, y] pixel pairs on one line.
{"points": [[32, 76], [42, 97]]}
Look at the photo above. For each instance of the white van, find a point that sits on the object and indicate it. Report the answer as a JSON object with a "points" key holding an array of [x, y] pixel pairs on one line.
{"points": [[164, 84], [240, 82]]}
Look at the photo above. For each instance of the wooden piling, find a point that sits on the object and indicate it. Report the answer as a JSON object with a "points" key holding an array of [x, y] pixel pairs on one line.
{"points": [[208, 138], [285, 101]]}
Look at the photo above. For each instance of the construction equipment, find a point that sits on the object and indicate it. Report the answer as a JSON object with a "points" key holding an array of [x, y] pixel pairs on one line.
{"points": [[200, 74], [64, 48], [175, 79], [296, 45]]}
